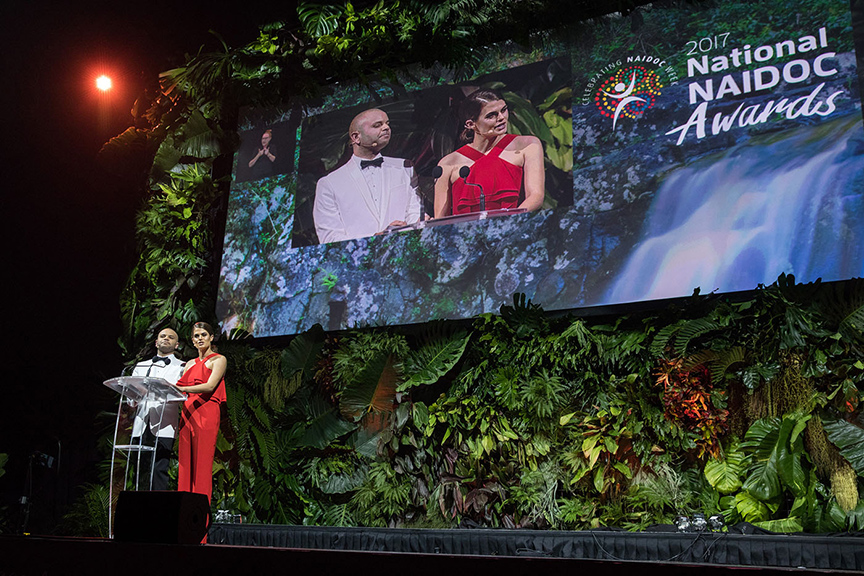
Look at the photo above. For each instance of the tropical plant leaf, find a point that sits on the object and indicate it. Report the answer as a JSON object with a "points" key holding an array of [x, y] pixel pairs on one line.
{"points": [[783, 525], [263, 492], [725, 474], [525, 318], [372, 390], [319, 19], [166, 157], [525, 119], [842, 303], [438, 355], [338, 515], [133, 149], [790, 452], [325, 425], [763, 479], [366, 441], [301, 354], [751, 508], [855, 517], [848, 438], [198, 137], [342, 483]]}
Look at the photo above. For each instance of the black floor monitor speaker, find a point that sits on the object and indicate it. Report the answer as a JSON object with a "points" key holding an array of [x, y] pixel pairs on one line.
{"points": [[163, 517]]}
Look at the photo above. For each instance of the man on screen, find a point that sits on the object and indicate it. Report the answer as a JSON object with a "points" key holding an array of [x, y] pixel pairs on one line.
{"points": [[151, 420], [370, 193]]}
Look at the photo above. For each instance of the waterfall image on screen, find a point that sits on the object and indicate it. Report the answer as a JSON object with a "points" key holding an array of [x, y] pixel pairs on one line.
{"points": [[713, 146]]}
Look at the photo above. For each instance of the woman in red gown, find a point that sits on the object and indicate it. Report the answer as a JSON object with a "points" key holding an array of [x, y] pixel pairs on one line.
{"points": [[204, 382], [505, 165]]}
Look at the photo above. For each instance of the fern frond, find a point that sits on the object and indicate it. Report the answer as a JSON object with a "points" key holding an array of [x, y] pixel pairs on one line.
{"points": [[580, 331], [266, 446], [718, 362], [338, 515], [663, 337], [691, 330]]}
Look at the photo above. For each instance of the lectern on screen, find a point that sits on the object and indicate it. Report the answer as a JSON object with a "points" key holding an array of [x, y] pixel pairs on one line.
{"points": [[710, 145]]}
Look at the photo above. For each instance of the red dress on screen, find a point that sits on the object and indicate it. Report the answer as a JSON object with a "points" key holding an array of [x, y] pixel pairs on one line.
{"points": [[501, 180], [199, 426]]}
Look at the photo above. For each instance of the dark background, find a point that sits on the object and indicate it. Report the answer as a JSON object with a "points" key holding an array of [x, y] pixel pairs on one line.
{"points": [[68, 229]]}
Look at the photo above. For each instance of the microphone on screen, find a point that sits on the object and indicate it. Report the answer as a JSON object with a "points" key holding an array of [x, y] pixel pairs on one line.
{"points": [[437, 172], [463, 173]]}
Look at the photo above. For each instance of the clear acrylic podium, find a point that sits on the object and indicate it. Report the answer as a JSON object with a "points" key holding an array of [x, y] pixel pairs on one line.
{"points": [[149, 397]]}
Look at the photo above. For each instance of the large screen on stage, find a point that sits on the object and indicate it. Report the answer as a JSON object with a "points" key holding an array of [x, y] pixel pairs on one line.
{"points": [[710, 145]]}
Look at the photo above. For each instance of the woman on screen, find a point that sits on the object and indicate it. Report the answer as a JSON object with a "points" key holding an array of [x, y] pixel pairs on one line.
{"points": [[204, 382], [499, 165]]}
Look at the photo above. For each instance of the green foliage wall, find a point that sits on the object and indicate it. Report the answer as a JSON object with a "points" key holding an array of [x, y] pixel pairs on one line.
{"points": [[522, 420]]}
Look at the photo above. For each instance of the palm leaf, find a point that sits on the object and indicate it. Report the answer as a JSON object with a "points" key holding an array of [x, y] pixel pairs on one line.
{"points": [[372, 390], [438, 355], [848, 438]]}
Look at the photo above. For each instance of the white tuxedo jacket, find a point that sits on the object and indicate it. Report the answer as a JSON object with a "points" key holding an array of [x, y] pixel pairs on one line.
{"points": [[150, 410], [344, 208]]}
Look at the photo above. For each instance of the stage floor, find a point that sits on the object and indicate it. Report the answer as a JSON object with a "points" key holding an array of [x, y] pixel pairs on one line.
{"points": [[844, 552], [257, 549]]}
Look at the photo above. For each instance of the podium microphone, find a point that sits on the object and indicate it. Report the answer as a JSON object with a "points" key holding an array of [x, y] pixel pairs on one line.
{"points": [[463, 173], [437, 172]]}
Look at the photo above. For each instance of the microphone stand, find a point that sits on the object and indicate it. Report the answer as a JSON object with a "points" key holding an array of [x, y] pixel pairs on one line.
{"points": [[463, 173]]}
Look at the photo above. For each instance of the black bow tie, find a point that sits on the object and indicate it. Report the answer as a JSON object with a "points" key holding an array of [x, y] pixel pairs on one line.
{"points": [[377, 162], [165, 359]]}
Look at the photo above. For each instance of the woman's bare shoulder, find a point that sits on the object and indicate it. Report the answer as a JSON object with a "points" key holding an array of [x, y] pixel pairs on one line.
{"points": [[453, 159], [522, 142]]}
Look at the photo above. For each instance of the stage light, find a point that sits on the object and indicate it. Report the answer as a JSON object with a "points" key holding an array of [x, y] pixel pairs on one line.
{"points": [[682, 523], [103, 83], [716, 523]]}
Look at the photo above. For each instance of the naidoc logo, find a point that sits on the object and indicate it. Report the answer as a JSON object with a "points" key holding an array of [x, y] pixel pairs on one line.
{"points": [[629, 92]]}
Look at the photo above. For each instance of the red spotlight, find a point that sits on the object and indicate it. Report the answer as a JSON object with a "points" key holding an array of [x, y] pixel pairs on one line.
{"points": [[103, 83]]}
